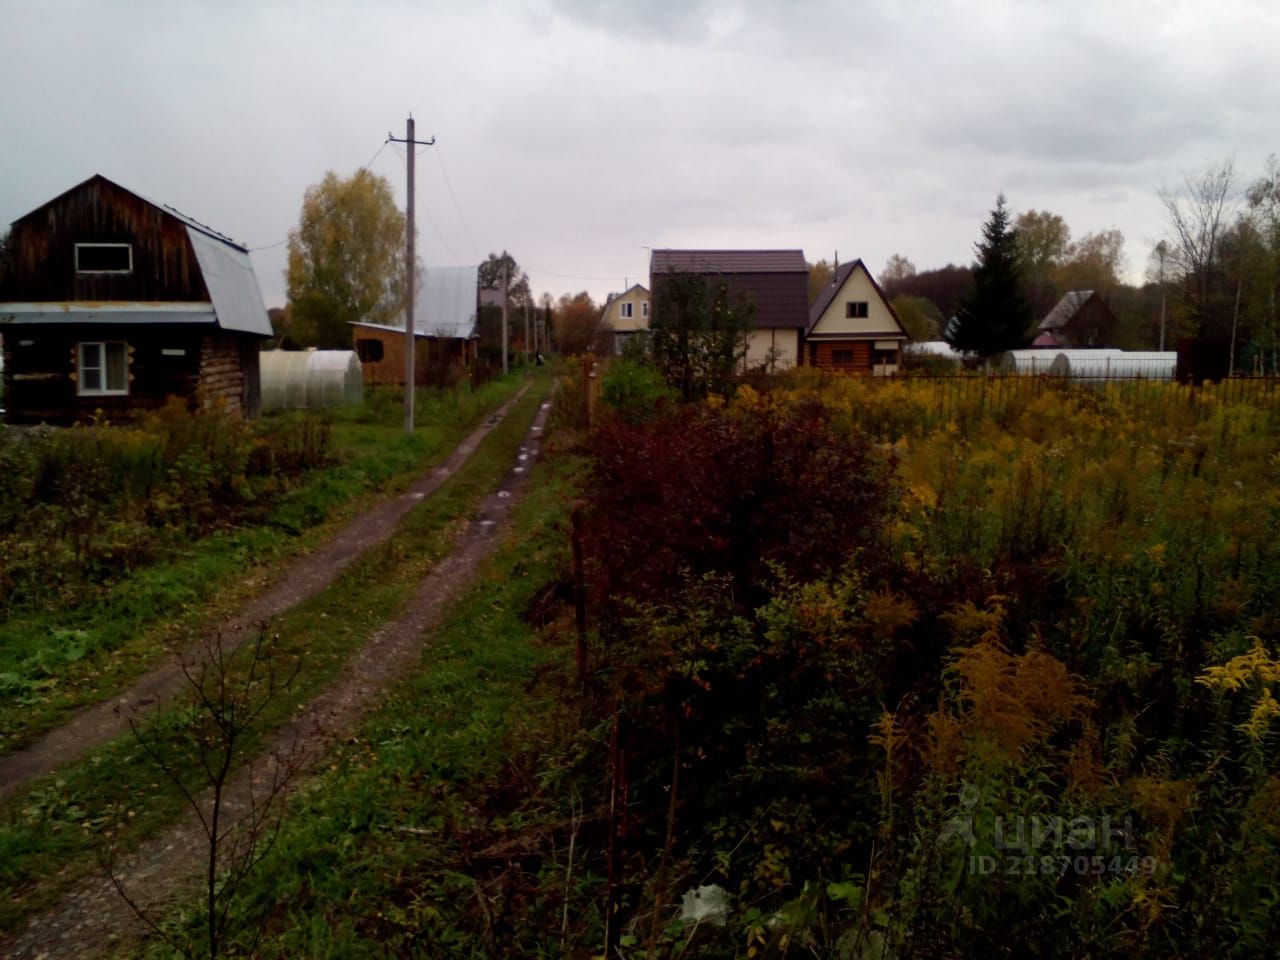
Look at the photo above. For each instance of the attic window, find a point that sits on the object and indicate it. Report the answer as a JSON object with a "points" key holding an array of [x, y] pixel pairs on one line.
{"points": [[102, 368], [855, 309], [104, 258], [625, 310], [644, 308]]}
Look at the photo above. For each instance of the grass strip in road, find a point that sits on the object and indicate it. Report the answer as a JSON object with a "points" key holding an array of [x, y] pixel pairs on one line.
{"points": [[53, 662], [374, 858], [51, 834]]}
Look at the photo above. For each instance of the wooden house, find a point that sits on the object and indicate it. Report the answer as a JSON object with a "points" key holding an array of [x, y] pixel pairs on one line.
{"points": [[1080, 319], [445, 308], [852, 326], [776, 282], [110, 304]]}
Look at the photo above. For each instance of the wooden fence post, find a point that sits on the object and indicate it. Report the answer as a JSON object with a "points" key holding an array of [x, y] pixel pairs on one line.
{"points": [[580, 595]]}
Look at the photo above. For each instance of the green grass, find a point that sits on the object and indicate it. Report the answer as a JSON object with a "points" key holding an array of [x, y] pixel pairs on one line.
{"points": [[54, 661], [374, 856], [51, 834]]}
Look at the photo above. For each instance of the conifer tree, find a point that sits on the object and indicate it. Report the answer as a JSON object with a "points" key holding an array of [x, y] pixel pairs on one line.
{"points": [[994, 316]]}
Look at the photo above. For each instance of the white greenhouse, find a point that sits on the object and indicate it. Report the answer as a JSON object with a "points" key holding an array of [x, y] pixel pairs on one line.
{"points": [[1054, 363], [309, 379], [1129, 365]]}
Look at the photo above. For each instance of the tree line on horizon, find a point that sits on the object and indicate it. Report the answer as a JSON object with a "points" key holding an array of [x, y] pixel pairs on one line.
{"points": [[1215, 274]]}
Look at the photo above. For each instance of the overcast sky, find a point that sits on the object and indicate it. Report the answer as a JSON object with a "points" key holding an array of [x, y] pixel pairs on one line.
{"points": [[578, 133]]}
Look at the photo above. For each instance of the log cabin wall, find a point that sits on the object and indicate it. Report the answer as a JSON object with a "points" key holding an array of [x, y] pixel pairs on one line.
{"points": [[40, 378], [849, 356]]}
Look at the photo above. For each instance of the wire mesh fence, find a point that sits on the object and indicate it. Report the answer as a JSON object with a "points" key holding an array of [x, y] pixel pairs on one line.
{"points": [[963, 399]]}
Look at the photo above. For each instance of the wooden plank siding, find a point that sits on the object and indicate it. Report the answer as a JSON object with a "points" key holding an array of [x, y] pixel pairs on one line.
{"points": [[824, 356], [42, 266], [432, 359]]}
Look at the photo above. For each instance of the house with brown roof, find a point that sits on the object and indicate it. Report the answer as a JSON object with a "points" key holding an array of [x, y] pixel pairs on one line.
{"points": [[852, 326], [774, 282], [1080, 319]]}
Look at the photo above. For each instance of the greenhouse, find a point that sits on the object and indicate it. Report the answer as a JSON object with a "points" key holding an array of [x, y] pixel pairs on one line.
{"points": [[1137, 364], [309, 379]]}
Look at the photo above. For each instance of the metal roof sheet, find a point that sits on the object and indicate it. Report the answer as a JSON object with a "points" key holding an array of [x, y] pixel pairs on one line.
{"points": [[107, 312], [728, 261], [445, 303], [1065, 309], [232, 284]]}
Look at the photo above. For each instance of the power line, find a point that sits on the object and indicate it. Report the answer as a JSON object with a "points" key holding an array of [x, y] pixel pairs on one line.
{"points": [[367, 165], [566, 276], [475, 247]]}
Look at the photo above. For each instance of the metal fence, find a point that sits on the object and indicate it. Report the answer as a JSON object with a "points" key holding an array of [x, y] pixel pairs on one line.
{"points": [[962, 398]]}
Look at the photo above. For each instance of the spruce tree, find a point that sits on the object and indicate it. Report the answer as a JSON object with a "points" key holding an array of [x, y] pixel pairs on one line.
{"points": [[995, 315]]}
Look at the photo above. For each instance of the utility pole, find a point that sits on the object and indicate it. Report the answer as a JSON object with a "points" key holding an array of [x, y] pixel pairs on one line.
{"points": [[1162, 251], [527, 355], [504, 313], [410, 340]]}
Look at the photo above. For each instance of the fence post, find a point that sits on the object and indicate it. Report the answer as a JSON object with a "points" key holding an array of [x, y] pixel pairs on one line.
{"points": [[589, 388], [580, 595]]}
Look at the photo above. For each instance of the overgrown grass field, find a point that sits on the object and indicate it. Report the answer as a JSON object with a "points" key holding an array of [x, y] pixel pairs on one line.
{"points": [[118, 543], [54, 832]]}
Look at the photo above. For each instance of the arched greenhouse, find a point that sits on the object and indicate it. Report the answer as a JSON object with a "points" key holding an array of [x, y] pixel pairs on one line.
{"points": [[309, 379]]}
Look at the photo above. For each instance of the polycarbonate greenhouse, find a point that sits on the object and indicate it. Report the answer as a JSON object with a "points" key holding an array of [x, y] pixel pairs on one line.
{"points": [[1037, 362], [1129, 365], [309, 379]]}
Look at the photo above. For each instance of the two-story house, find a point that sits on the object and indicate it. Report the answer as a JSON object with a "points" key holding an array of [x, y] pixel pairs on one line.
{"points": [[111, 303]]}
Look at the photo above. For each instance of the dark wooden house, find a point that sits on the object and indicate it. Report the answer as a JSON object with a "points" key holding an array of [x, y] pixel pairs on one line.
{"points": [[1080, 319], [776, 282], [111, 303]]}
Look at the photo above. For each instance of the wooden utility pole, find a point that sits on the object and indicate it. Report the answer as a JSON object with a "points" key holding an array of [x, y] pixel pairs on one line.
{"points": [[410, 340], [504, 313], [528, 356]]}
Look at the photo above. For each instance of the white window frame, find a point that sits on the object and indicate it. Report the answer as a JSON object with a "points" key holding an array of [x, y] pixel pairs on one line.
{"points": [[127, 246], [625, 310], [857, 309], [644, 308], [98, 348]]}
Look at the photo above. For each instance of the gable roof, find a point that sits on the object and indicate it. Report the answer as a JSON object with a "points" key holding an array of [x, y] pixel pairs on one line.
{"points": [[191, 222], [776, 282], [224, 265], [1065, 309], [727, 261], [618, 296], [832, 289]]}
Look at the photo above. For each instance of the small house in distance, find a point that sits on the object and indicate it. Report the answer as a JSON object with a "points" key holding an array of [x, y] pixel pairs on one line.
{"points": [[113, 303], [852, 327], [775, 282], [444, 324], [627, 315], [1080, 319]]}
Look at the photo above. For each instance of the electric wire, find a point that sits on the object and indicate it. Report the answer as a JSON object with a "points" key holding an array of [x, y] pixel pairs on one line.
{"points": [[367, 165]]}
